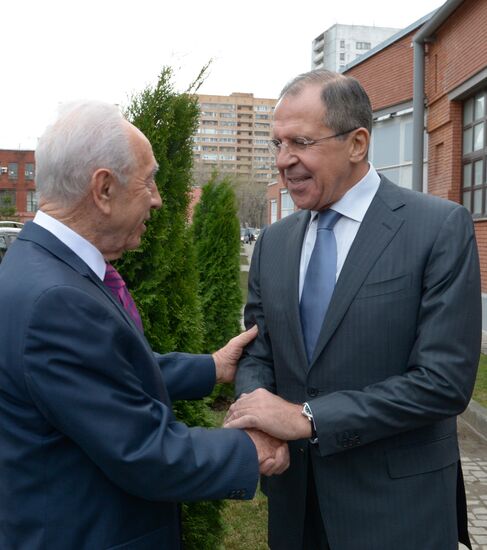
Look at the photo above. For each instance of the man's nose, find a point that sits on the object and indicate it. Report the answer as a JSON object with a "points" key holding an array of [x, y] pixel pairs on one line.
{"points": [[156, 201], [284, 158]]}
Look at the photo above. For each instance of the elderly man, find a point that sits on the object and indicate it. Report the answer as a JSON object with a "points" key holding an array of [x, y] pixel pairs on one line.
{"points": [[91, 455], [368, 307]]}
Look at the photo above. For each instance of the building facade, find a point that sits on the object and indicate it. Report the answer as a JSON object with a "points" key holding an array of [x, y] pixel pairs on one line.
{"points": [[232, 137], [341, 44], [17, 183]]}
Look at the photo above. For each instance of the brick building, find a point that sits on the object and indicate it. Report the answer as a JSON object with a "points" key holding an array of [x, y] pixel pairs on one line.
{"points": [[17, 182], [436, 71]]}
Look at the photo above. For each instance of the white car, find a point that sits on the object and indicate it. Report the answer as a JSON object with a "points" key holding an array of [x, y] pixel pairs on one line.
{"points": [[8, 233]]}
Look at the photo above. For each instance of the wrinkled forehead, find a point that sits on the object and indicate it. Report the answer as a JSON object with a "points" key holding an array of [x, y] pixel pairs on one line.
{"points": [[299, 114]]}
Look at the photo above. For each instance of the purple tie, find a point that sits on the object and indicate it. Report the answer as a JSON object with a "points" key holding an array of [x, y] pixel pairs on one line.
{"points": [[113, 280]]}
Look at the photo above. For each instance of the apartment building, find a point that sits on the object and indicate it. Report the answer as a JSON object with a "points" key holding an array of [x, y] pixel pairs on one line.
{"points": [[341, 44], [17, 183], [232, 137]]}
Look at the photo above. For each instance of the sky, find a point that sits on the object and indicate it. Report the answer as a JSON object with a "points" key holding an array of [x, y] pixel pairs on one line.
{"points": [[62, 50]]}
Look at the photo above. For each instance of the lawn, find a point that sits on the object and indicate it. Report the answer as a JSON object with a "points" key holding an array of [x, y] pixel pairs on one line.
{"points": [[245, 520], [480, 390]]}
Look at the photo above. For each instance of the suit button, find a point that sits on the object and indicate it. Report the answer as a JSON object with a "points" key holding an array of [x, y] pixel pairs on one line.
{"points": [[313, 392]]}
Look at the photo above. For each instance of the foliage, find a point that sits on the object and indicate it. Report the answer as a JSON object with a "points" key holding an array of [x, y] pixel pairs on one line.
{"points": [[217, 238], [7, 207], [161, 274], [252, 204]]}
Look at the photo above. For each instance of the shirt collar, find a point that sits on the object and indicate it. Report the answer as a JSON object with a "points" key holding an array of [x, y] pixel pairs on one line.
{"points": [[356, 201], [75, 242]]}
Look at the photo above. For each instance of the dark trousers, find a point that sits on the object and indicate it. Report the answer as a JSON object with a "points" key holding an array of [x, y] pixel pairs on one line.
{"points": [[314, 536]]}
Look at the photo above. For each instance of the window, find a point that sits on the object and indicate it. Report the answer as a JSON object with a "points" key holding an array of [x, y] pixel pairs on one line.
{"points": [[29, 171], [475, 154], [13, 171], [287, 205], [391, 147], [342, 57], [273, 210], [363, 45], [31, 201], [342, 44]]}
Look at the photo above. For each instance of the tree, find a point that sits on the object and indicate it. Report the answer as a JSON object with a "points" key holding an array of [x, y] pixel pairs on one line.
{"points": [[217, 238], [161, 274], [7, 206]]}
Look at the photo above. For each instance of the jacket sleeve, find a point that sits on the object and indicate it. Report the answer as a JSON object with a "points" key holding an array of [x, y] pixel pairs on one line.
{"points": [[256, 367], [186, 375], [86, 372]]}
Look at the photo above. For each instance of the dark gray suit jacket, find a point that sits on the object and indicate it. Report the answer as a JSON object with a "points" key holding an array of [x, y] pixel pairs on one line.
{"points": [[395, 363]]}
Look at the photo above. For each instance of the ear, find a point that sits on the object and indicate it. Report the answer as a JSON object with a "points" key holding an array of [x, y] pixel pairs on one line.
{"points": [[103, 187], [359, 145]]}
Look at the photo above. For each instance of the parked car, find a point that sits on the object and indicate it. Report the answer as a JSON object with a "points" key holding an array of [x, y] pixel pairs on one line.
{"points": [[8, 233]]}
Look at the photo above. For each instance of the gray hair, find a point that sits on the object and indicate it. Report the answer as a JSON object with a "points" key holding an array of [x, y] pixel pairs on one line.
{"points": [[346, 102], [86, 136]]}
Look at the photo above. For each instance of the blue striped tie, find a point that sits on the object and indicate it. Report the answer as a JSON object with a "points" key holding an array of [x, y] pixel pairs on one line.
{"points": [[320, 279]]}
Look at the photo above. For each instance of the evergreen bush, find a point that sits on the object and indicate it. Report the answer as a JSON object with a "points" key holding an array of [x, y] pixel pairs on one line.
{"points": [[216, 232], [161, 273]]}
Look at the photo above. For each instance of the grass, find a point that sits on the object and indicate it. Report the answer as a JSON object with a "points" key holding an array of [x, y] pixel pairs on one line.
{"points": [[245, 520], [244, 278], [480, 390]]}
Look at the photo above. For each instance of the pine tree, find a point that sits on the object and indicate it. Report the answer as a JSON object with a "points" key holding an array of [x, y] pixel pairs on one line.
{"points": [[217, 237], [161, 273]]}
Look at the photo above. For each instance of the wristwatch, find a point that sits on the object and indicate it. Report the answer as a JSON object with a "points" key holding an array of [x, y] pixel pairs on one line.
{"points": [[309, 415]]}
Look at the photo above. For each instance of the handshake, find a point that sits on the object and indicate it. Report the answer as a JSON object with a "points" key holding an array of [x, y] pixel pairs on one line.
{"points": [[269, 420]]}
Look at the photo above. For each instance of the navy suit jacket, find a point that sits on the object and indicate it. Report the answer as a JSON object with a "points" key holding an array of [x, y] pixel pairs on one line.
{"points": [[91, 455], [395, 363]]}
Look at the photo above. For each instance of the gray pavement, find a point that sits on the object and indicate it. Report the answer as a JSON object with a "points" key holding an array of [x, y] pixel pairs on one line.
{"points": [[472, 435]]}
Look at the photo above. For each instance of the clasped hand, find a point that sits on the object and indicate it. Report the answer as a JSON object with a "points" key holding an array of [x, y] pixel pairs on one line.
{"points": [[269, 413]]}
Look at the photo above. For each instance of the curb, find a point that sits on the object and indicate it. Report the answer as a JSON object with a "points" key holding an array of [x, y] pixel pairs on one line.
{"points": [[475, 415]]}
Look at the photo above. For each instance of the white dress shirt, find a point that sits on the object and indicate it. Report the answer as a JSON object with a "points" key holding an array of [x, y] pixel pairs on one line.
{"points": [[78, 244], [352, 206]]}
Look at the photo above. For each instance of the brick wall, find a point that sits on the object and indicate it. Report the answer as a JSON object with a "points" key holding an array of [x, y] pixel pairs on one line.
{"points": [[21, 185], [387, 76], [458, 52]]}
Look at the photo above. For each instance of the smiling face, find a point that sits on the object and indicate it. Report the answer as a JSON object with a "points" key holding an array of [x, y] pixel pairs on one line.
{"points": [[134, 201], [319, 175]]}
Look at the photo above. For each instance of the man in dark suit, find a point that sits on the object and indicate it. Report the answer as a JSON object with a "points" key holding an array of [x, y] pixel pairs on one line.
{"points": [[368, 394], [91, 455]]}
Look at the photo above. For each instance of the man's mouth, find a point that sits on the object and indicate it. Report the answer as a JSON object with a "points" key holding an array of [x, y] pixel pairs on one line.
{"points": [[296, 180]]}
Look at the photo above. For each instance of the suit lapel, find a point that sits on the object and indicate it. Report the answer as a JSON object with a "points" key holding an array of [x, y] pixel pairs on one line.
{"points": [[377, 229], [293, 258], [36, 233]]}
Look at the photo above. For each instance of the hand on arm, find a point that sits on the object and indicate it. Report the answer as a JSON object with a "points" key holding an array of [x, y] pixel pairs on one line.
{"points": [[226, 358], [269, 413], [273, 454]]}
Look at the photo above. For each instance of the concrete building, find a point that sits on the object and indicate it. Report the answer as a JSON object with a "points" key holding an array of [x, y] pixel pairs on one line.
{"points": [[341, 44], [17, 182], [232, 137]]}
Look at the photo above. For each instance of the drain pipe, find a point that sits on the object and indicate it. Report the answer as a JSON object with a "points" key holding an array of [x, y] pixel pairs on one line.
{"points": [[423, 36], [418, 114]]}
